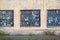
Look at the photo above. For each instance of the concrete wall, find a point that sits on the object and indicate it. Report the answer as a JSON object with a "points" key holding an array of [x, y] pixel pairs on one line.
{"points": [[18, 5]]}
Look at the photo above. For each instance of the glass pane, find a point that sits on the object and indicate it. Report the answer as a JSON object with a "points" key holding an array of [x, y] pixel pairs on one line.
{"points": [[30, 18], [53, 18], [6, 18]]}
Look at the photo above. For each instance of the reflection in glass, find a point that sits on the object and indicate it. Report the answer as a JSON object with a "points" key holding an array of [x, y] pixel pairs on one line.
{"points": [[30, 17], [6, 18], [53, 18]]}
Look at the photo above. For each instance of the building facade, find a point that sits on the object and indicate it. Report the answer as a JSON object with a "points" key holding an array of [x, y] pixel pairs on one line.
{"points": [[28, 15]]}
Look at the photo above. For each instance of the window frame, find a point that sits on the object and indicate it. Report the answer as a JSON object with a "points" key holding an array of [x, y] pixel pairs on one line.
{"points": [[32, 11], [12, 18], [49, 26]]}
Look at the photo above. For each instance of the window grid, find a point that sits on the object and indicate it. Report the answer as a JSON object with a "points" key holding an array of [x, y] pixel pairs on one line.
{"points": [[30, 18], [53, 18], [6, 18]]}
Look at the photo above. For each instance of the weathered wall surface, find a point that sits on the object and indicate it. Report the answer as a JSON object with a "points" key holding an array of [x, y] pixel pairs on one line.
{"points": [[18, 5]]}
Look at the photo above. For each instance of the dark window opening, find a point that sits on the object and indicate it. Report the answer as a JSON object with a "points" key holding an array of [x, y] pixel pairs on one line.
{"points": [[30, 18]]}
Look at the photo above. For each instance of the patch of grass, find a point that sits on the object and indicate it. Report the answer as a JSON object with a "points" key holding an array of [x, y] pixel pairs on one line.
{"points": [[2, 32], [26, 39], [49, 33], [19, 39]]}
